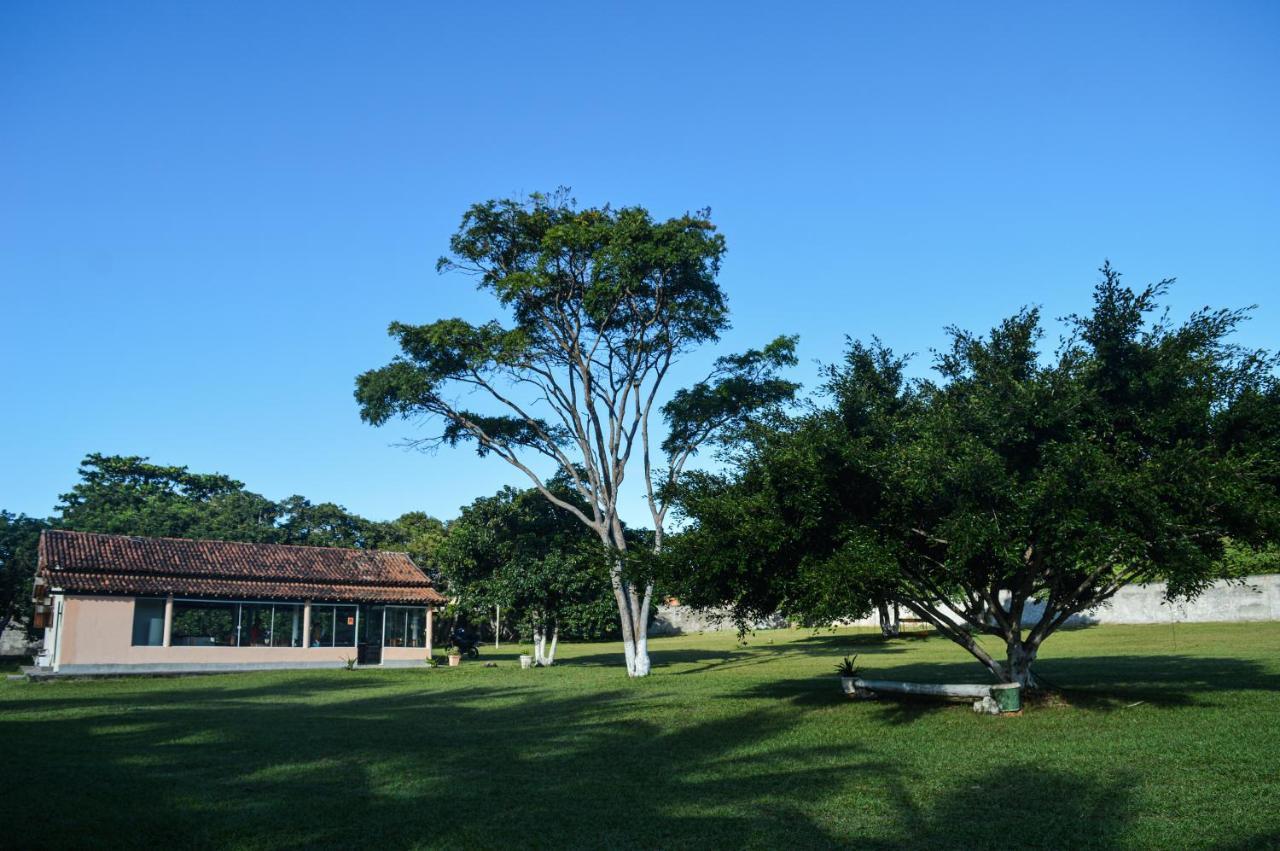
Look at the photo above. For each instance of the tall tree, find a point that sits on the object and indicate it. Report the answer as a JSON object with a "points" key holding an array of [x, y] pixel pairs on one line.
{"points": [[326, 524], [423, 536], [602, 304], [518, 551], [128, 495], [19, 536], [1020, 490]]}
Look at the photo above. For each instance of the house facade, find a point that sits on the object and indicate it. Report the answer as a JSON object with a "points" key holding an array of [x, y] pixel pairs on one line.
{"points": [[123, 604]]}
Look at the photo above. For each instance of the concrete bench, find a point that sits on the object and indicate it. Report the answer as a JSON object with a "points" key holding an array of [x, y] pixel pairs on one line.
{"points": [[991, 699]]}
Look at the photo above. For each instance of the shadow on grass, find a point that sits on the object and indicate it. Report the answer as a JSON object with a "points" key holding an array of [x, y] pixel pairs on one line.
{"points": [[1101, 683], [468, 767], [327, 759], [760, 651]]}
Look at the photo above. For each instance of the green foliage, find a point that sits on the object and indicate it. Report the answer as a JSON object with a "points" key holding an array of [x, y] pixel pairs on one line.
{"points": [[517, 550], [19, 536], [130, 496], [1129, 455], [644, 290], [722, 407], [423, 535], [127, 495], [848, 666]]}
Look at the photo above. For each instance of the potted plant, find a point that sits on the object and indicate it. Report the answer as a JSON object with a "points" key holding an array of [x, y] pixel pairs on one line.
{"points": [[848, 671], [455, 657]]}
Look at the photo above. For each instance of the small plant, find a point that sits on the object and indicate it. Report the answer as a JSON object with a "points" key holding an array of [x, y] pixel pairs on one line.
{"points": [[350, 662], [848, 667], [431, 662]]}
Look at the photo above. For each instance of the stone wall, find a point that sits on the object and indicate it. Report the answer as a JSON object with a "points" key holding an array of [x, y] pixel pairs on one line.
{"points": [[684, 620], [13, 641], [1256, 599]]}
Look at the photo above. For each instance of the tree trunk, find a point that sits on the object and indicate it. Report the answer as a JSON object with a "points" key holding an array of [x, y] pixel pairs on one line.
{"points": [[1018, 670], [888, 625], [555, 639], [635, 633], [539, 643], [633, 615]]}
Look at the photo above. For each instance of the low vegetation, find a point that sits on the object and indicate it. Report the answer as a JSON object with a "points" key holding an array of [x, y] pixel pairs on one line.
{"points": [[1163, 736]]}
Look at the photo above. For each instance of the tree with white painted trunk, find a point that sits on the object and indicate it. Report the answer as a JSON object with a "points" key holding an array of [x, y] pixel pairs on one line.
{"points": [[602, 304], [518, 551]]}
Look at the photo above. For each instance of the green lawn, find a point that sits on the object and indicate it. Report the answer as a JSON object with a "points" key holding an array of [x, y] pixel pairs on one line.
{"points": [[1171, 739]]}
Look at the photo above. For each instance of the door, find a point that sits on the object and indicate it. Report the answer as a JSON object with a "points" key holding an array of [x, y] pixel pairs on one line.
{"points": [[369, 635]]}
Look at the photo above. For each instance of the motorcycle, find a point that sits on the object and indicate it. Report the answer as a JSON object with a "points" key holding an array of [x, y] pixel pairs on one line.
{"points": [[464, 643]]}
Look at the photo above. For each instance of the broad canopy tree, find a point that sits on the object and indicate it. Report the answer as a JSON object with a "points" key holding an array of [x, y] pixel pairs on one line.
{"points": [[1012, 493], [602, 303], [518, 551]]}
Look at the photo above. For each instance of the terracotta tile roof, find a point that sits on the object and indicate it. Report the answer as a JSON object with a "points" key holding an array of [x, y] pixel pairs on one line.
{"points": [[87, 562]]}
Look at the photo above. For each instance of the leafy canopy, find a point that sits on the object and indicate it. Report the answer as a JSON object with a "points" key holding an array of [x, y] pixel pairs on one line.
{"points": [[1016, 489], [518, 551]]}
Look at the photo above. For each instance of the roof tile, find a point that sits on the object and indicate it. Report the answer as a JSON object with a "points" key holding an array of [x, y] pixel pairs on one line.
{"points": [[89, 562]]}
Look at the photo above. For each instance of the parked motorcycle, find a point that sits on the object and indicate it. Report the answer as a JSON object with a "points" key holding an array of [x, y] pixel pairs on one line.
{"points": [[464, 642]]}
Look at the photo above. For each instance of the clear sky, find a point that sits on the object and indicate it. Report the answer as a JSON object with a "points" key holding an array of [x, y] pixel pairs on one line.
{"points": [[209, 212]]}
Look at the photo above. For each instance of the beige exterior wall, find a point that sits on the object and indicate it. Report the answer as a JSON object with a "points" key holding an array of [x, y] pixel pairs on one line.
{"points": [[99, 631]]}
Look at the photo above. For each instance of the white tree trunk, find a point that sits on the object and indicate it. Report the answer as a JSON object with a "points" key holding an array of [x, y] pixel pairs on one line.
{"points": [[638, 659], [550, 656]]}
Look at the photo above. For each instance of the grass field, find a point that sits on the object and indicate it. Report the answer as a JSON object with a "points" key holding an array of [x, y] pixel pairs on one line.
{"points": [[1170, 738]]}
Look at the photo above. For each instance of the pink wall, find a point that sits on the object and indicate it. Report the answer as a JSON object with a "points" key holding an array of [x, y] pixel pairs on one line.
{"points": [[99, 631]]}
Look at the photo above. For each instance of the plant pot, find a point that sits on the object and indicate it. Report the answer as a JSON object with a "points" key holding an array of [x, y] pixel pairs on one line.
{"points": [[455, 661], [526, 662], [1008, 697]]}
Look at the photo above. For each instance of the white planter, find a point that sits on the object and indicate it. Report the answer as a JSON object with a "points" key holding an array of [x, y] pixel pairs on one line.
{"points": [[526, 662]]}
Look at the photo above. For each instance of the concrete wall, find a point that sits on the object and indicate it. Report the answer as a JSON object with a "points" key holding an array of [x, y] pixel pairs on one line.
{"points": [[683, 620], [1257, 599], [97, 636], [13, 641]]}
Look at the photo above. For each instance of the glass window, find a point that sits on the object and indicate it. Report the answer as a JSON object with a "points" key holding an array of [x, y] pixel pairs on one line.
{"points": [[202, 624], [396, 619], [148, 623], [415, 628], [286, 625], [321, 626], [255, 625], [344, 631]]}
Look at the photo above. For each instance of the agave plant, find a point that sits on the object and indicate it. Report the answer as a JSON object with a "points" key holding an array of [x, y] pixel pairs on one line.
{"points": [[848, 667]]}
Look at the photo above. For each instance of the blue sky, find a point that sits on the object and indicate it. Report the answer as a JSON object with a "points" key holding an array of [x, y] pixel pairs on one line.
{"points": [[210, 212]]}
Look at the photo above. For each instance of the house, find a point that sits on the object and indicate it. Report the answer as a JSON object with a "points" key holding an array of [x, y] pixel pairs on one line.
{"points": [[122, 604]]}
